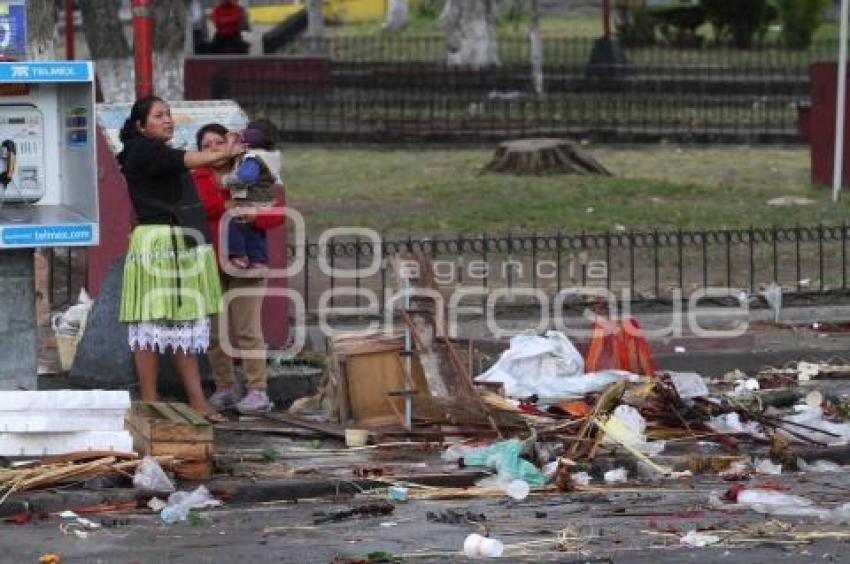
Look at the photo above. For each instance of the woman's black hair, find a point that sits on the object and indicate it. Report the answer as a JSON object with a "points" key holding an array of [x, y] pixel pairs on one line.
{"points": [[138, 114], [216, 128]]}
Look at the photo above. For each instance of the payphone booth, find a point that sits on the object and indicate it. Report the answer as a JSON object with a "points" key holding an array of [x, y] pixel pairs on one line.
{"points": [[48, 190], [48, 168]]}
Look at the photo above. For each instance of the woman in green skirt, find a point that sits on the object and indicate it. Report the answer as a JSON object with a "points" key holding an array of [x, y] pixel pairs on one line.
{"points": [[171, 285]]}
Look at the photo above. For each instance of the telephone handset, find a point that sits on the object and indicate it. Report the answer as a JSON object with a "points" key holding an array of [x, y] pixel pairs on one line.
{"points": [[9, 157]]}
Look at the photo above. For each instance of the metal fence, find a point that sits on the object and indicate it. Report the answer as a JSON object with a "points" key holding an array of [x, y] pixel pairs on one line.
{"points": [[635, 266], [383, 103], [647, 266]]}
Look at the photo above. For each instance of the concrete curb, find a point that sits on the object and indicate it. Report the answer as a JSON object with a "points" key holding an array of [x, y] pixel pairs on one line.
{"points": [[230, 490]]}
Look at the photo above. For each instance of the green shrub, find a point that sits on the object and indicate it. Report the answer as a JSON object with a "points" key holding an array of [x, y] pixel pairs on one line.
{"points": [[800, 19], [635, 26], [739, 21], [679, 24]]}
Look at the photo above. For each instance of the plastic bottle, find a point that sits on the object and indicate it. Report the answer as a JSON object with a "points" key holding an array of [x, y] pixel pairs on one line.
{"points": [[476, 546]]}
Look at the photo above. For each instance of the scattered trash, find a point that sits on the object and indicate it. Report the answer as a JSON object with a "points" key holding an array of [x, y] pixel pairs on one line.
{"points": [[823, 466], [156, 505], [180, 503], [731, 423], [397, 494], [616, 476], [698, 540], [689, 385], [581, 478], [814, 399], [765, 466], [476, 546], [790, 201], [518, 489], [68, 328], [151, 477], [736, 471], [746, 387], [777, 503], [809, 423], [806, 371], [627, 427], [355, 438], [503, 457], [549, 367]]}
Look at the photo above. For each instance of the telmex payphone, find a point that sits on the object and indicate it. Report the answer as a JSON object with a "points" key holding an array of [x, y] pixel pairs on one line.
{"points": [[48, 168], [21, 153]]}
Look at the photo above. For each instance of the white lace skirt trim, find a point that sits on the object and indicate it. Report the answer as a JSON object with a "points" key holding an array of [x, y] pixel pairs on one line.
{"points": [[185, 336]]}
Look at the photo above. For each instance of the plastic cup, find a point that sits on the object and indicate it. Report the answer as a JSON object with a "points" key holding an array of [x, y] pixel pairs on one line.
{"points": [[356, 437], [476, 546]]}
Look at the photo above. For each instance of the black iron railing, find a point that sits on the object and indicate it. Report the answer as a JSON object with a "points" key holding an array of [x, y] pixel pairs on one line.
{"points": [[643, 266]]}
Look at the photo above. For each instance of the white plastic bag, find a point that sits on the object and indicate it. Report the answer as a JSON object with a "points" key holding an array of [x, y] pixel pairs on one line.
{"points": [[616, 476], [698, 540], [689, 385], [823, 466], [180, 503], [151, 477], [72, 321], [765, 466], [777, 503], [627, 426], [536, 365], [813, 417]]}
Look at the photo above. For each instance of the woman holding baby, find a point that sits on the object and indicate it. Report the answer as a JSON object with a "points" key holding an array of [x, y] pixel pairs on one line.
{"points": [[245, 185]]}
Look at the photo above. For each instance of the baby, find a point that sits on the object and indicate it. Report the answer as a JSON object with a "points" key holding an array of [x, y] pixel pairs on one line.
{"points": [[251, 184]]}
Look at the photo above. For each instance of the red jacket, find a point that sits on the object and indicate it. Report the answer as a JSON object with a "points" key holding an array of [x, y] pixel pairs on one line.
{"points": [[227, 19], [213, 198]]}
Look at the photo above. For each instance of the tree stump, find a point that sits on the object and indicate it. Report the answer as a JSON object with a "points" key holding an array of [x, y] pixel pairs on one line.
{"points": [[544, 156]]}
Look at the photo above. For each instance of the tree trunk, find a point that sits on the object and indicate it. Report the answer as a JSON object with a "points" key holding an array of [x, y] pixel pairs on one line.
{"points": [[398, 15], [109, 49], [544, 156], [41, 31], [536, 45], [470, 33], [315, 34], [169, 46]]}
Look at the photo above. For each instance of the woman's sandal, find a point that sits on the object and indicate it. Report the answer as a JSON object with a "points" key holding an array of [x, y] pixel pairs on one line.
{"points": [[215, 418]]}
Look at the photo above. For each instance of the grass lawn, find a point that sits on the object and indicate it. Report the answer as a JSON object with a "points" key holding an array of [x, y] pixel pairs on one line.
{"points": [[427, 191]]}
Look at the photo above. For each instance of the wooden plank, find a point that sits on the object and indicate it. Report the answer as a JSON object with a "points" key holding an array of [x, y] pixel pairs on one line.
{"points": [[194, 470], [146, 419], [190, 414], [367, 344], [157, 430], [165, 411], [327, 429], [182, 451]]}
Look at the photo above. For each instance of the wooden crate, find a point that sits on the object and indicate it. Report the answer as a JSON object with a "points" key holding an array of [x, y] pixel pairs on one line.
{"points": [[173, 429]]}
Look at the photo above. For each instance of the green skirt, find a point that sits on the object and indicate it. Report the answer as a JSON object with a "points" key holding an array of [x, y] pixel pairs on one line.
{"points": [[162, 283]]}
